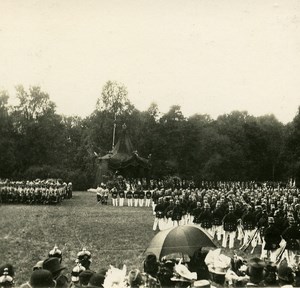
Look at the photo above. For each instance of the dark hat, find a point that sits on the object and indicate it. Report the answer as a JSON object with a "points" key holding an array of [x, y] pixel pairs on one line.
{"points": [[41, 278], [97, 280], [53, 265], [103, 271], [85, 276], [285, 273], [255, 269], [151, 264], [270, 273]]}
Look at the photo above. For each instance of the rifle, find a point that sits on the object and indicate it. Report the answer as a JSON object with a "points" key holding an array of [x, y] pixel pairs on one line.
{"points": [[249, 241], [278, 258]]}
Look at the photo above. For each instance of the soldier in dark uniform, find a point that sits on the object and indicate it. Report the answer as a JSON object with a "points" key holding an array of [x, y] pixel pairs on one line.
{"points": [[121, 197], [292, 237], [230, 222], [191, 205], [218, 215], [155, 196], [206, 219], [129, 196], [249, 224], [148, 195], [196, 213], [114, 196], [159, 215], [279, 220], [272, 239], [177, 214], [136, 197], [168, 213], [184, 206], [141, 197]]}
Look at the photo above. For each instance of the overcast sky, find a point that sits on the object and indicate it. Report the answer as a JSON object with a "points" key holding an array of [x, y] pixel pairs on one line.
{"points": [[208, 56]]}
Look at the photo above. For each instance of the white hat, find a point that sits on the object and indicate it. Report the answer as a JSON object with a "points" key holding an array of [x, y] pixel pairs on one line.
{"points": [[183, 274]]}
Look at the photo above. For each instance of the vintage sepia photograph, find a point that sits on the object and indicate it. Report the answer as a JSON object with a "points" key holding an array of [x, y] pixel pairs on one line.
{"points": [[149, 143]]}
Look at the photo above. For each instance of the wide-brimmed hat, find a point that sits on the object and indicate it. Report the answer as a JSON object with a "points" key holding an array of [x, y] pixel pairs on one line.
{"points": [[202, 284], [41, 278], [183, 274], [53, 265], [255, 269], [218, 270]]}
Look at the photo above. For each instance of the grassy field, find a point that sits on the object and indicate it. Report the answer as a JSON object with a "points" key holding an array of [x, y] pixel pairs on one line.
{"points": [[114, 235]]}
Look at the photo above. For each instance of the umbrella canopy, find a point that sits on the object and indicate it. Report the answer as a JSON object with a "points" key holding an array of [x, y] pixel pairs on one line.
{"points": [[185, 239]]}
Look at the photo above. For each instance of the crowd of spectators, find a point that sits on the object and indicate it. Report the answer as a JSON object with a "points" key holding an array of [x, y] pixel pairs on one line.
{"points": [[205, 268]]}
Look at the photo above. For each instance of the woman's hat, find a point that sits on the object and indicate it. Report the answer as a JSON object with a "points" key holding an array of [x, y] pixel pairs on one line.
{"points": [[183, 274], [53, 265], [202, 284], [219, 270], [135, 278]]}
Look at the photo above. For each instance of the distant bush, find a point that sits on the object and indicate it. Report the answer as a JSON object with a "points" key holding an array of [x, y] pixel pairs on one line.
{"points": [[43, 172], [79, 179]]}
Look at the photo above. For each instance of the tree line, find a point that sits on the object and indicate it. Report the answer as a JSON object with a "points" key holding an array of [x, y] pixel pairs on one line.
{"points": [[37, 142]]}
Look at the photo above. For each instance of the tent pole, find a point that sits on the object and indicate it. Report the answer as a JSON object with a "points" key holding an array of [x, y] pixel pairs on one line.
{"points": [[114, 132]]}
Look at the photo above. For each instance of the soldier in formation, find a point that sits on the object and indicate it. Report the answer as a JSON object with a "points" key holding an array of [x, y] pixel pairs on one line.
{"points": [[242, 216], [33, 192]]}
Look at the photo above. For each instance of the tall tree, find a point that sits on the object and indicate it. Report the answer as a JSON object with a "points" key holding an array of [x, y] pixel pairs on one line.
{"points": [[7, 138], [40, 137]]}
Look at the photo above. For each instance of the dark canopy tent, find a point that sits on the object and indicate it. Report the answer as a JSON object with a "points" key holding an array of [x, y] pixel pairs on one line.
{"points": [[123, 160]]}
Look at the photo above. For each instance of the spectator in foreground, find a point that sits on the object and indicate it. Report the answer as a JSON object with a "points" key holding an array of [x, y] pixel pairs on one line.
{"points": [[286, 276], [255, 272], [41, 279], [96, 280]]}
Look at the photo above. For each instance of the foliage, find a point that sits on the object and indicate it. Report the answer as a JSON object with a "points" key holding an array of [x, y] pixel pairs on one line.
{"points": [[36, 141]]}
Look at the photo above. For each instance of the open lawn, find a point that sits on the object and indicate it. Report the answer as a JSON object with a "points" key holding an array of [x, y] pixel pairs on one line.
{"points": [[114, 235]]}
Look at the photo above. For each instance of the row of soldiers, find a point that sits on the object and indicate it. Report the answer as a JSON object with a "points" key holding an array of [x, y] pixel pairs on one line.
{"points": [[177, 183], [34, 192], [239, 218], [134, 198]]}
